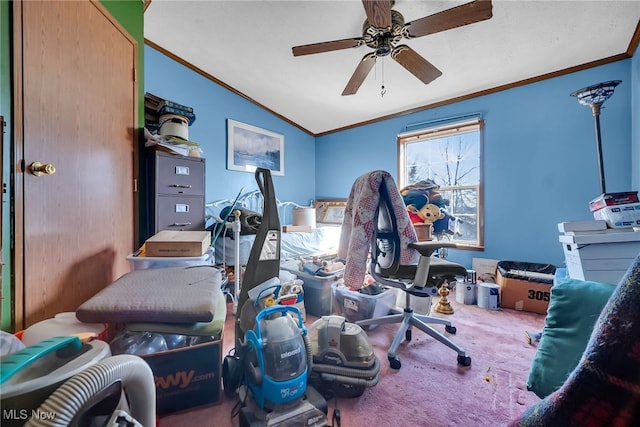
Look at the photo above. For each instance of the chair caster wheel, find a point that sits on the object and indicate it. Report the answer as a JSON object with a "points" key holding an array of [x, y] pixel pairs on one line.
{"points": [[407, 335], [451, 329], [394, 362], [464, 360]]}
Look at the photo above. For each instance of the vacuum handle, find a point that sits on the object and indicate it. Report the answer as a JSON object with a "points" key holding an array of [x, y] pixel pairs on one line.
{"points": [[20, 359], [278, 309]]}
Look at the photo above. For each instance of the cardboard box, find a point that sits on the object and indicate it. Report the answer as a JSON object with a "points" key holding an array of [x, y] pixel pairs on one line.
{"points": [[582, 226], [523, 295], [602, 257], [612, 199], [620, 216], [187, 377], [169, 243]]}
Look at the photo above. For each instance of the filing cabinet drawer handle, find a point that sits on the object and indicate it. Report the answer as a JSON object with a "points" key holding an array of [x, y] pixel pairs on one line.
{"points": [[179, 186], [180, 224]]}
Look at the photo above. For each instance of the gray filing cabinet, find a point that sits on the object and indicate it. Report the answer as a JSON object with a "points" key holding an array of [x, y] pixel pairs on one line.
{"points": [[177, 192]]}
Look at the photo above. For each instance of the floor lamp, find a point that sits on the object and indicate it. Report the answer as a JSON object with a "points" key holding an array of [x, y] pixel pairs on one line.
{"points": [[594, 96]]}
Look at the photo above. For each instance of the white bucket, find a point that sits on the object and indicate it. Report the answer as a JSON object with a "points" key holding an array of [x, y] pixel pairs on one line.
{"points": [[174, 125], [488, 296], [61, 325], [304, 216], [466, 293]]}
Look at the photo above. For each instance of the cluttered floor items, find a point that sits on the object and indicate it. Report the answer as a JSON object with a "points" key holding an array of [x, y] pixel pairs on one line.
{"points": [[166, 315], [279, 369]]}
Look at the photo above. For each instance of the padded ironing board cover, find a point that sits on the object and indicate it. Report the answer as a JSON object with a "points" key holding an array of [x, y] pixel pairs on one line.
{"points": [[358, 225], [168, 295]]}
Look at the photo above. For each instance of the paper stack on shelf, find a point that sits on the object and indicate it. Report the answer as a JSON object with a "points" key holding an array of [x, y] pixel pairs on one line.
{"points": [[172, 144]]}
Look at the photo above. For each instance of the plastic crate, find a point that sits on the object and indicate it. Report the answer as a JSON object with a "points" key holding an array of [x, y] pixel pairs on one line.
{"points": [[355, 306]]}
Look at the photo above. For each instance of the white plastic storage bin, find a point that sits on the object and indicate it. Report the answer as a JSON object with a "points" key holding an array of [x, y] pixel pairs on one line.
{"points": [[145, 262], [318, 297], [355, 306]]}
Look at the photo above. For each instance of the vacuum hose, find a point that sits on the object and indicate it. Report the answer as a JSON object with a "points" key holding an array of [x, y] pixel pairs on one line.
{"points": [[69, 398], [351, 376], [307, 346]]}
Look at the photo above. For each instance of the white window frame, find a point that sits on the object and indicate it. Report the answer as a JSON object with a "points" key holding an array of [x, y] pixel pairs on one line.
{"points": [[438, 131]]}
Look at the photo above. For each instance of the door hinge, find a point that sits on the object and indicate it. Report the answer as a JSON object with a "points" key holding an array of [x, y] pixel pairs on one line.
{"points": [[135, 185]]}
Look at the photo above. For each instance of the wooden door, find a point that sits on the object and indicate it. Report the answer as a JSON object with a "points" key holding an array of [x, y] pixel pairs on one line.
{"points": [[75, 103]]}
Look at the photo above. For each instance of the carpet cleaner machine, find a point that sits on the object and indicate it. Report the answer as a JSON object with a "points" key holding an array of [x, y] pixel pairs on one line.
{"points": [[278, 367]]}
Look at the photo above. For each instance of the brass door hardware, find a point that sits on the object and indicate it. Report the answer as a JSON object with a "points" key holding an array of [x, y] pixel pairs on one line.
{"points": [[39, 169]]}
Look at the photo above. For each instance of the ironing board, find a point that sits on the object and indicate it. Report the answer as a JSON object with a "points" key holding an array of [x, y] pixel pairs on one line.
{"points": [[166, 295]]}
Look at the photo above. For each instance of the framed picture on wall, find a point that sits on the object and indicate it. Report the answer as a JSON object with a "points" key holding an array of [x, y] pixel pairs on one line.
{"points": [[330, 211], [250, 147]]}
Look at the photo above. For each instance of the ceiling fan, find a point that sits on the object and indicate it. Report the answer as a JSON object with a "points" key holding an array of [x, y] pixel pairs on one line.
{"points": [[384, 28]]}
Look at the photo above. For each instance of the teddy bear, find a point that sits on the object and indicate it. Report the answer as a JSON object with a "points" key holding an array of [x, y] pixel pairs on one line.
{"points": [[430, 213], [427, 214]]}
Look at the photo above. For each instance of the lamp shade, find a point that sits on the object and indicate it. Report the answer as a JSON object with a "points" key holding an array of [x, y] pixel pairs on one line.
{"points": [[596, 94]]}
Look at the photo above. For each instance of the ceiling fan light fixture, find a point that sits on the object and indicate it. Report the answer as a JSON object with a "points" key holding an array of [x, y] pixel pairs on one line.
{"points": [[383, 49]]}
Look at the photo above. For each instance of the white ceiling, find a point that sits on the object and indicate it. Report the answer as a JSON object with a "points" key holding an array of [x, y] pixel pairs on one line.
{"points": [[247, 46]]}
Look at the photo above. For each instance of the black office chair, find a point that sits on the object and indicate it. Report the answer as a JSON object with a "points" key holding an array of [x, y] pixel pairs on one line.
{"points": [[419, 280]]}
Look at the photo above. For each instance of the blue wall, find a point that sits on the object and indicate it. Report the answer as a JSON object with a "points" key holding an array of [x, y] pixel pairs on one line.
{"points": [[540, 163], [213, 105], [635, 121]]}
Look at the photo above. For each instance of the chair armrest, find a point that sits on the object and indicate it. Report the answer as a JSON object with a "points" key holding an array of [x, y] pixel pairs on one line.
{"points": [[428, 248]]}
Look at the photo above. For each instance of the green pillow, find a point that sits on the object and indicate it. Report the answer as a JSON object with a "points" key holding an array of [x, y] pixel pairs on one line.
{"points": [[573, 310]]}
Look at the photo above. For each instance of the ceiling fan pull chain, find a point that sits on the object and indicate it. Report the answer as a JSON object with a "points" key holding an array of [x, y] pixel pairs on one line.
{"points": [[382, 89]]}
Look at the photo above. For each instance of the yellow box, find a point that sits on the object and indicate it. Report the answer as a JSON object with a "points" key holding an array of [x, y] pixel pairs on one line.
{"points": [[169, 243]]}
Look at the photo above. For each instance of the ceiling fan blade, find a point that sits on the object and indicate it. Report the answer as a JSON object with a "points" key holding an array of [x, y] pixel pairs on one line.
{"points": [[362, 71], [378, 12], [309, 49], [469, 13], [415, 64]]}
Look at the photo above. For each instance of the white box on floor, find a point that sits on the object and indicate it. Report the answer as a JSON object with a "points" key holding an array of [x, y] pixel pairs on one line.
{"points": [[602, 257]]}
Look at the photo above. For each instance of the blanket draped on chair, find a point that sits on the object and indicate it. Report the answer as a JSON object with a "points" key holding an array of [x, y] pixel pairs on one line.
{"points": [[358, 225]]}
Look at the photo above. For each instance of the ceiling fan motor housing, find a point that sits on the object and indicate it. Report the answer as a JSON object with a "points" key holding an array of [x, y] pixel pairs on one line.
{"points": [[383, 39]]}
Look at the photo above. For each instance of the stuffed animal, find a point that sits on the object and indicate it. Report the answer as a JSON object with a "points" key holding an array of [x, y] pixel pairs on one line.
{"points": [[430, 213], [427, 193]]}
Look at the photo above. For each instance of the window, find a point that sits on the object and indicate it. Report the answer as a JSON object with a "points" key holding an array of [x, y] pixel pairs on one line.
{"points": [[449, 155]]}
